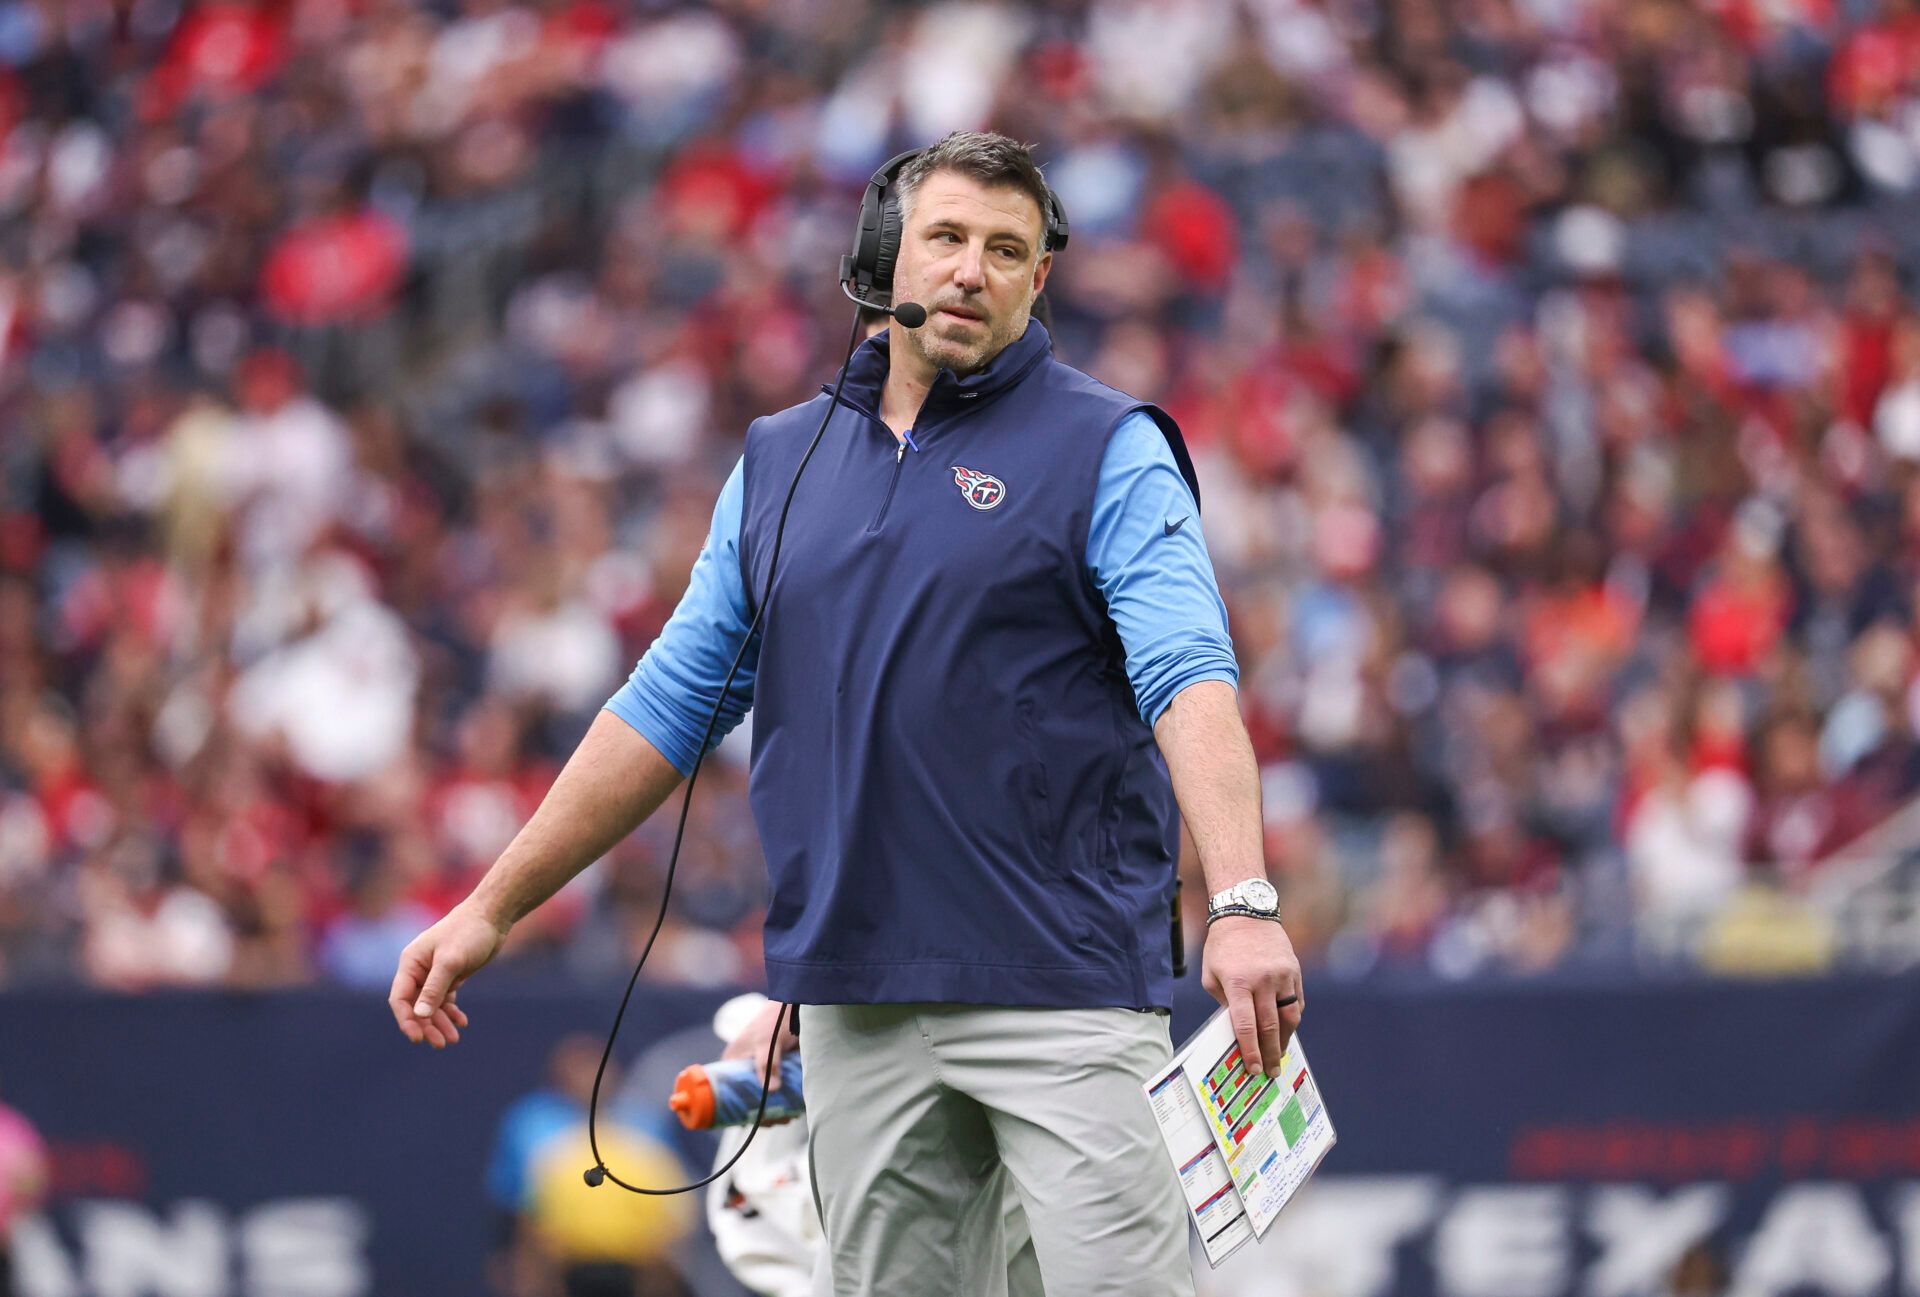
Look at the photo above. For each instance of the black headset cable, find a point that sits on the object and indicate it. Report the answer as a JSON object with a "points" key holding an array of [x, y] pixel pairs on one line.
{"points": [[599, 1172]]}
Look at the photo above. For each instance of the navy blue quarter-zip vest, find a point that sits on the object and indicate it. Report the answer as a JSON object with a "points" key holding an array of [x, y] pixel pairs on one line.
{"points": [[956, 795]]}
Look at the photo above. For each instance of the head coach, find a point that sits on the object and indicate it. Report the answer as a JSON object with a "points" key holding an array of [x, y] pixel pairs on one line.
{"points": [[992, 678]]}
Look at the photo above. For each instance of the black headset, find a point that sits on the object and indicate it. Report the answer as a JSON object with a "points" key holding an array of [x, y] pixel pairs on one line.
{"points": [[866, 273]]}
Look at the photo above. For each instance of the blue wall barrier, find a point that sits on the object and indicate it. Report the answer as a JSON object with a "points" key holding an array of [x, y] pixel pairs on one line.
{"points": [[1554, 1139]]}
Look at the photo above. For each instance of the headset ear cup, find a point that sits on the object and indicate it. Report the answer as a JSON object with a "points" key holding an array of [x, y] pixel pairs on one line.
{"points": [[886, 250]]}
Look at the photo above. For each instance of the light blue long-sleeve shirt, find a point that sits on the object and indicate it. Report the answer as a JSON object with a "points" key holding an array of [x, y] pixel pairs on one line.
{"points": [[1145, 554]]}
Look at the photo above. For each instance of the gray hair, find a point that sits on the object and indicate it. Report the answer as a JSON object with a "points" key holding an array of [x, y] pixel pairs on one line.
{"points": [[979, 155]]}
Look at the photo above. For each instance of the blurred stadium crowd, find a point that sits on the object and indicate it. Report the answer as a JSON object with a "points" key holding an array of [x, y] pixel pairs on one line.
{"points": [[368, 369]]}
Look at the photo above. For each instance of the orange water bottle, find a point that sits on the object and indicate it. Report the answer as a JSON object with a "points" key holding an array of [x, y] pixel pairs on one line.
{"points": [[727, 1093]]}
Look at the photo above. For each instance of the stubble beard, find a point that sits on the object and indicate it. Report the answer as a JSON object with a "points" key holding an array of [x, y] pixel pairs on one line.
{"points": [[964, 358]]}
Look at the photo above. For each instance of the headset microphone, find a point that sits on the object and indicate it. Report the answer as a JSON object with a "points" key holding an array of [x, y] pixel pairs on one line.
{"points": [[911, 315]]}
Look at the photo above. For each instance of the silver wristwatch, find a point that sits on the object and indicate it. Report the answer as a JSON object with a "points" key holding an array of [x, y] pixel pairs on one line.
{"points": [[1256, 898]]}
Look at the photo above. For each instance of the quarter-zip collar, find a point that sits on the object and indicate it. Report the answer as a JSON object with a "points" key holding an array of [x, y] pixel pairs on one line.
{"points": [[950, 393]]}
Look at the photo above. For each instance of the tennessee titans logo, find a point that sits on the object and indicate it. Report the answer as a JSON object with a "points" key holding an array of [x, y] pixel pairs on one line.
{"points": [[981, 490]]}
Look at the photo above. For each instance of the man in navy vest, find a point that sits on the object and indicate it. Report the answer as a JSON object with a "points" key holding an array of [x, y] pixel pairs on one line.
{"points": [[991, 681]]}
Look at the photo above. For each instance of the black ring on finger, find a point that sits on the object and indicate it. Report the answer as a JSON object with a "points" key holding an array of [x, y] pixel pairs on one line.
{"points": [[1285, 1000]]}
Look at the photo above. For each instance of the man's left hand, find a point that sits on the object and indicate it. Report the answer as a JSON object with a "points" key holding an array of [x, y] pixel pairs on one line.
{"points": [[1250, 967]]}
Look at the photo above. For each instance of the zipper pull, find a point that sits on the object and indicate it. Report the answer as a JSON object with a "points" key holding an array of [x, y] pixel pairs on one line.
{"points": [[899, 452]]}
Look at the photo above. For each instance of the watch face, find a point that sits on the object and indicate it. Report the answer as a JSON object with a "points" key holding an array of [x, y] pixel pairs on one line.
{"points": [[1260, 894]]}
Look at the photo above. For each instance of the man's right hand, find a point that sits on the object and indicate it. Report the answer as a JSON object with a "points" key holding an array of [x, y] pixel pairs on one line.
{"points": [[757, 1036], [433, 966]]}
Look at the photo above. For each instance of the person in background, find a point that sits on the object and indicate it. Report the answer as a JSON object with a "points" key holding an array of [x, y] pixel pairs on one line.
{"points": [[555, 1233], [23, 1182], [761, 1212]]}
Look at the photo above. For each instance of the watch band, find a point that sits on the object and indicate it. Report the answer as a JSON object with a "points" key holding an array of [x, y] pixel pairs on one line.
{"points": [[1246, 910]]}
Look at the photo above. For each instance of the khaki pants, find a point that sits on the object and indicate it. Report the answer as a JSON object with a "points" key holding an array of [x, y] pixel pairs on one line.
{"points": [[919, 1115], [1023, 1268]]}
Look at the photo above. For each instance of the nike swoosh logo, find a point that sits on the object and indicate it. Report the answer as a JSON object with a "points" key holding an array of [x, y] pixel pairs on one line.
{"points": [[1176, 526]]}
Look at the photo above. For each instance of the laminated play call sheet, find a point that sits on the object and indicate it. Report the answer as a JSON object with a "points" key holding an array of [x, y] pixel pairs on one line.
{"points": [[1242, 1142]]}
